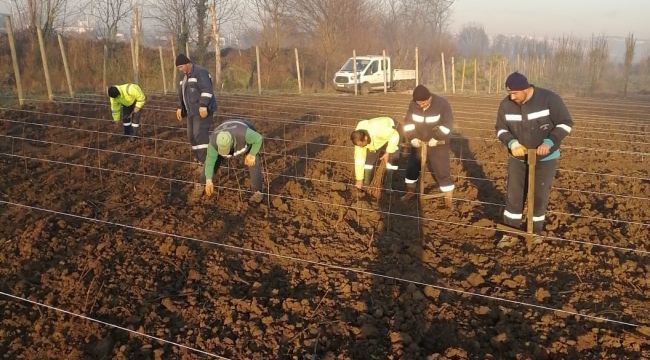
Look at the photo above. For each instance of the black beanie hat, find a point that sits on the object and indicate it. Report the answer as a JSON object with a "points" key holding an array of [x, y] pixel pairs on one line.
{"points": [[113, 91], [421, 93], [181, 59], [517, 82]]}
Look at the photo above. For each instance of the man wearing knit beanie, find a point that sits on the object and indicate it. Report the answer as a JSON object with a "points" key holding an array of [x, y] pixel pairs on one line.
{"points": [[182, 59], [428, 122], [530, 118], [197, 104]]}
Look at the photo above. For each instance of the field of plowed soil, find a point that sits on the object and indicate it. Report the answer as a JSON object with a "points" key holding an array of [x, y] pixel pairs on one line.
{"points": [[106, 253]]}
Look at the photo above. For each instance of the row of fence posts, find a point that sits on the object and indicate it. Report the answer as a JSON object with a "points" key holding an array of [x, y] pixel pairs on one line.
{"points": [[500, 71], [135, 45]]}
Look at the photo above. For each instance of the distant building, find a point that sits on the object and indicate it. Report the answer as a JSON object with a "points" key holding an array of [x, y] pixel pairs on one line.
{"points": [[82, 27], [3, 23]]}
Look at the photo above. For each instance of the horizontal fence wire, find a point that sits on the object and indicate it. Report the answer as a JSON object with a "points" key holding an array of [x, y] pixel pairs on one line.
{"points": [[325, 265]]}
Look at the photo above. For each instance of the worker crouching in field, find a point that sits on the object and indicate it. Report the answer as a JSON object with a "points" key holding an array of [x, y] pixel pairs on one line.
{"points": [[231, 139], [370, 138], [530, 118], [428, 122], [127, 100]]}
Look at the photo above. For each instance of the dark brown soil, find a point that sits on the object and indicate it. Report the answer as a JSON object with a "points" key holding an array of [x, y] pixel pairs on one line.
{"points": [[316, 268]]}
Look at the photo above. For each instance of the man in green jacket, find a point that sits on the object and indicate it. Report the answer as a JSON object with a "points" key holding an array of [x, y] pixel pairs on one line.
{"points": [[370, 138], [231, 139], [129, 100]]}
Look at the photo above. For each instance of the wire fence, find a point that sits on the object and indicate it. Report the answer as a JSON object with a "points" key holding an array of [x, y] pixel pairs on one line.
{"points": [[88, 129]]}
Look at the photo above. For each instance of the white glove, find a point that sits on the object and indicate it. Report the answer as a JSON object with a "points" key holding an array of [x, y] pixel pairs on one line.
{"points": [[416, 143], [433, 142]]}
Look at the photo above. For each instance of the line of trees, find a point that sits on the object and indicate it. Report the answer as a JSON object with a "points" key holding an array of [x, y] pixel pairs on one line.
{"points": [[585, 65], [329, 29], [326, 32]]}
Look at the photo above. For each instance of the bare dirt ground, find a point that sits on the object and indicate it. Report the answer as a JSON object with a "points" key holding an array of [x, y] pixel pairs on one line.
{"points": [[107, 228]]}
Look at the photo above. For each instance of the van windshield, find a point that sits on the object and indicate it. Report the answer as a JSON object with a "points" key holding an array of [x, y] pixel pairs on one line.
{"points": [[349, 65]]}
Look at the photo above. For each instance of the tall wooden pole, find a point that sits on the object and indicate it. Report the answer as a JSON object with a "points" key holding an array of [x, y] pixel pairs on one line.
{"points": [[136, 45], [444, 73], [298, 71], [65, 65], [46, 69], [162, 68], [14, 60], [217, 47]]}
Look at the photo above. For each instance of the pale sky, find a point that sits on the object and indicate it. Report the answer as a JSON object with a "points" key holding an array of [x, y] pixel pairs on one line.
{"points": [[548, 17], [556, 17]]}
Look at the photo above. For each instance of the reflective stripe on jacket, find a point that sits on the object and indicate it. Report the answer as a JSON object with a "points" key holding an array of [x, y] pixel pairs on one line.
{"points": [[129, 94]]}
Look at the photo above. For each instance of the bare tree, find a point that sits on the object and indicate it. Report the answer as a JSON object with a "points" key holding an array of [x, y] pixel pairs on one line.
{"points": [[328, 25], [630, 44], [175, 17], [226, 11], [109, 15], [409, 23], [567, 61], [272, 26], [41, 14], [473, 41], [202, 36], [598, 58], [645, 69]]}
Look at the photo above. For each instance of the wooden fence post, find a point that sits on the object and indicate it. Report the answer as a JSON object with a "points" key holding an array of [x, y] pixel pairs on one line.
{"points": [[14, 59], [217, 47], [354, 68], [65, 65], [444, 74], [162, 68], [46, 69], [475, 76], [453, 76], [417, 67], [259, 76], [298, 71], [385, 68], [462, 81]]}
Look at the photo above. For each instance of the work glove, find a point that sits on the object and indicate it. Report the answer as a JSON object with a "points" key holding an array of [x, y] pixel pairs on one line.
{"points": [[433, 142], [249, 160], [179, 115], [209, 187], [416, 143], [203, 112], [136, 110], [517, 149]]}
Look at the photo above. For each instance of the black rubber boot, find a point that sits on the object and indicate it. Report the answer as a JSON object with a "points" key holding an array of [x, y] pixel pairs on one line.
{"points": [[367, 176], [388, 180]]}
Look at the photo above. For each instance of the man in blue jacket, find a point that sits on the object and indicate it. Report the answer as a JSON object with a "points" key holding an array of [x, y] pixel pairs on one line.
{"points": [[429, 122], [197, 104], [530, 118]]}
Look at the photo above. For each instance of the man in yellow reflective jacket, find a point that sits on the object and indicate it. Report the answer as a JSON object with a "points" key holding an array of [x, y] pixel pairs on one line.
{"points": [[370, 138], [127, 99]]}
